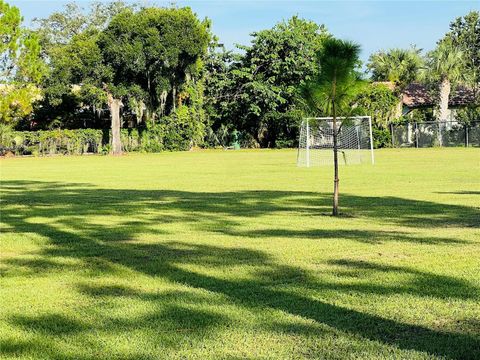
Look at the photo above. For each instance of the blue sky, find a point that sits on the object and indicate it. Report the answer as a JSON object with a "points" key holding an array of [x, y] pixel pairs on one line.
{"points": [[374, 24]]}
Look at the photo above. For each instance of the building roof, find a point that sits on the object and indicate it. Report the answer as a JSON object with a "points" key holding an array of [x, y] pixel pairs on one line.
{"points": [[418, 95]]}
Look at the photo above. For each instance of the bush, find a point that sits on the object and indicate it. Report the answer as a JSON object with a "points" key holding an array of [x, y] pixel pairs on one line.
{"points": [[179, 131], [381, 137], [7, 136], [50, 142]]}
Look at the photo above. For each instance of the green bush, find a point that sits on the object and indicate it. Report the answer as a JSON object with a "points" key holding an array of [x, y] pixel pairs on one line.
{"points": [[50, 142], [179, 131], [381, 137]]}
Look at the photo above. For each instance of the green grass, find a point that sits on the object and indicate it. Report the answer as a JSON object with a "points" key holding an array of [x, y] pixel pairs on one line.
{"points": [[233, 255]]}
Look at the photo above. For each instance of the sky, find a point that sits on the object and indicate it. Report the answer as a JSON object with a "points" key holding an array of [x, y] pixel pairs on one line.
{"points": [[375, 25]]}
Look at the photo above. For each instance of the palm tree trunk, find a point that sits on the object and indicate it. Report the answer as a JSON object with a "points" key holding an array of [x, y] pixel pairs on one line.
{"points": [[443, 108], [114, 106]]}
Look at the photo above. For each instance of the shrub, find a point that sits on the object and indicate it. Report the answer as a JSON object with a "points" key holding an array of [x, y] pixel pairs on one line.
{"points": [[49, 142], [381, 137]]}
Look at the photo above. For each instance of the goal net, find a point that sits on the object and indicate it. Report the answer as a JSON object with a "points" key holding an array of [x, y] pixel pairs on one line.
{"points": [[354, 140]]}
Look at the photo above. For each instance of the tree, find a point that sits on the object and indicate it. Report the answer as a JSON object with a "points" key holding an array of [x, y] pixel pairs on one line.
{"points": [[445, 67], [160, 50], [21, 68], [258, 88], [152, 54], [60, 105], [465, 35], [136, 61], [332, 91], [61, 26], [399, 66]]}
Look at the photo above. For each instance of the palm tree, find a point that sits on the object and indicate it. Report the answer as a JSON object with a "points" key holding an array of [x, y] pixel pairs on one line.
{"points": [[331, 92], [399, 66], [445, 67]]}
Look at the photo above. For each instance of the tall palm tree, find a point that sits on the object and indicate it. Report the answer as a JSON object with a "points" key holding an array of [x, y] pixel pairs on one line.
{"points": [[445, 66], [331, 92]]}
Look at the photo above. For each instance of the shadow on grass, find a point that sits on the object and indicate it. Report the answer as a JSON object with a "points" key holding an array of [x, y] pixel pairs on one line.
{"points": [[47, 209], [459, 192]]}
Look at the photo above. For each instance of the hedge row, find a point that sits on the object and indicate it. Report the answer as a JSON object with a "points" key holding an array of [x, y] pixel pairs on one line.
{"points": [[84, 141]]}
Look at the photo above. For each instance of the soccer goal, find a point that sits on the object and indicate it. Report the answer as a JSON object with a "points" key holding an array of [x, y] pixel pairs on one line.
{"points": [[355, 141]]}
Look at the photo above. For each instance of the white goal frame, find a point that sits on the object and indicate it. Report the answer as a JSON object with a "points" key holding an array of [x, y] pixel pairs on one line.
{"points": [[355, 138]]}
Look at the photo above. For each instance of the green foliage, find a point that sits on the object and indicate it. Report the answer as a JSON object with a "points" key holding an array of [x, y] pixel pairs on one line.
{"points": [[60, 27], [465, 35], [50, 142], [256, 91], [7, 137], [10, 35], [378, 102], [418, 115], [400, 66], [446, 61], [157, 49], [69, 41], [21, 67], [16, 102], [382, 137], [332, 91], [177, 132], [468, 114]]}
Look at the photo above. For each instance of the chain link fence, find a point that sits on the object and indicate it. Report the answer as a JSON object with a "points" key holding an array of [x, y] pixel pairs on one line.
{"points": [[436, 133]]}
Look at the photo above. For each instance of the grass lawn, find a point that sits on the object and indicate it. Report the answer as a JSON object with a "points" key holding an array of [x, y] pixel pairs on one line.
{"points": [[233, 255]]}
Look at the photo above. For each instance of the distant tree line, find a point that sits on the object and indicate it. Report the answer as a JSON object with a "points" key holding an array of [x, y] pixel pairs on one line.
{"points": [[161, 72]]}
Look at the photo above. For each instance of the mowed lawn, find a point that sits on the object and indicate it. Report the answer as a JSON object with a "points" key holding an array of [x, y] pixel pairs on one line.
{"points": [[234, 255]]}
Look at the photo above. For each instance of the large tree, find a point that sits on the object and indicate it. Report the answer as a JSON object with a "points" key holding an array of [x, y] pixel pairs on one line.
{"points": [[61, 26], [136, 61], [21, 67], [158, 49], [258, 87], [465, 35], [153, 54], [332, 91], [62, 107], [445, 67]]}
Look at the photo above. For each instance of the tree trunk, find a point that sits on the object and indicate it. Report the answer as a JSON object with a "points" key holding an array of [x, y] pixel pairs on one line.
{"points": [[335, 154], [443, 108], [114, 106]]}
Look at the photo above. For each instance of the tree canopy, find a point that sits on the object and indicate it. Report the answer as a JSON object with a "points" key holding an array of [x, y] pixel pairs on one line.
{"points": [[21, 67], [400, 66], [260, 91], [169, 75]]}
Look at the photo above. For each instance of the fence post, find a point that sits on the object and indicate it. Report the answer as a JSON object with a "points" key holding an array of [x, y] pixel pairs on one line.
{"points": [[371, 140], [466, 135], [307, 153], [391, 132], [416, 135]]}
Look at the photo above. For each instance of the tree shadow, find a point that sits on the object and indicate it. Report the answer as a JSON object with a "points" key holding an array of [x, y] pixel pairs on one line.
{"points": [[464, 192], [49, 209]]}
